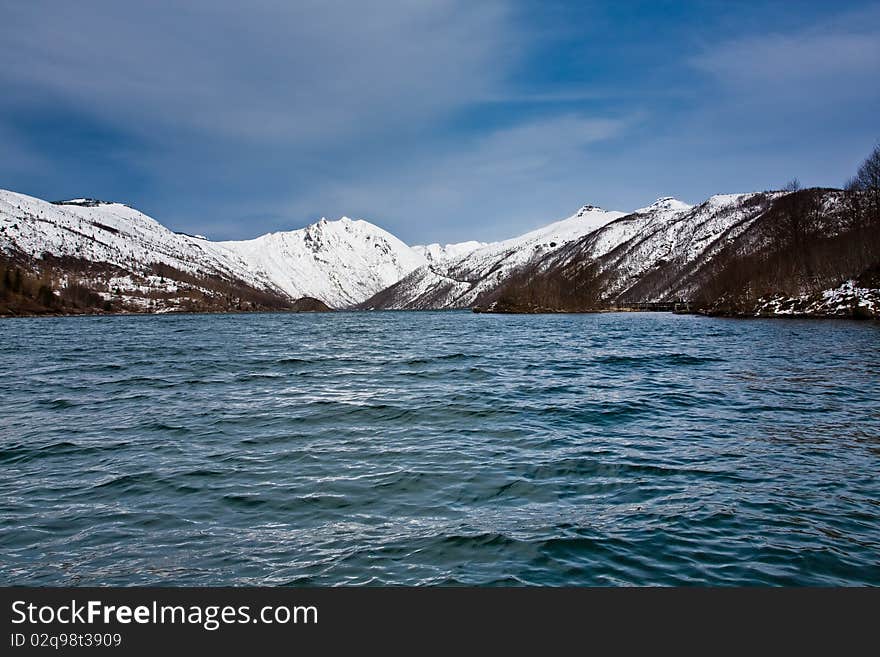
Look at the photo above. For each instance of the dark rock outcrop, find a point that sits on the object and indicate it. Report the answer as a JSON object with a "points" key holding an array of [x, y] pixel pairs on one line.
{"points": [[310, 305]]}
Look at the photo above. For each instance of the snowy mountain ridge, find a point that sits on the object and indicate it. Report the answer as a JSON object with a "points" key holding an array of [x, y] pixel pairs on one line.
{"points": [[658, 252], [670, 252], [460, 281], [341, 263], [440, 252], [112, 233], [664, 251]]}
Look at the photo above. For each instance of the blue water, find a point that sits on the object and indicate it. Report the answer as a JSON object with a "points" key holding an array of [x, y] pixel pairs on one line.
{"points": [[439, 448]]}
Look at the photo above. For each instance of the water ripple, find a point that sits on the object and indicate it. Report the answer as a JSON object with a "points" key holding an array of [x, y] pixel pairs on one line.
{"points": [[439, 448]]}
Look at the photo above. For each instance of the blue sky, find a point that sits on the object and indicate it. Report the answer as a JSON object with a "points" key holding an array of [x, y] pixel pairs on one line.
{"points": [[439, 121]]}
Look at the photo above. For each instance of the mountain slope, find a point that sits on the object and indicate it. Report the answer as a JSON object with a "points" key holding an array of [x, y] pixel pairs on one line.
{"points": [[435, 253], [82, 255], [648, 255], [462, 281], [131, 260], [804, 251], [645, 256], [112, 233], [741, 254], [339, 262]]}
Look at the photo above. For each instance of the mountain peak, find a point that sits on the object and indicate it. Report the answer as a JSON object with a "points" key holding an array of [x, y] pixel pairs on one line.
{"points": [[589, 208], [665, 203], [324, 221], [85, 202]]}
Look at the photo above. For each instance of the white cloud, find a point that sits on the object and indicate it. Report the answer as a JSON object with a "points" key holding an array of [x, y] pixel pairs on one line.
{"points": [[233, 118], [294, 71], [832, 62], [517, 178]]}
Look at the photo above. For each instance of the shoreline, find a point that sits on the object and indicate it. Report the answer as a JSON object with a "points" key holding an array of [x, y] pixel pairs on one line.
{"points": [[474, 310], [129, 313]]}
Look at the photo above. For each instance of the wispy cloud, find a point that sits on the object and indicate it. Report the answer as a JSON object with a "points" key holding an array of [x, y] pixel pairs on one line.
{"points": [[298, 72], [831, 62], [441, 120], [521, 176], [540, 97]]}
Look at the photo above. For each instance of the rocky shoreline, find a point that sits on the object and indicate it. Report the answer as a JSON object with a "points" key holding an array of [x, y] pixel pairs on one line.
{"points": [[303, 305], [848, 301]]}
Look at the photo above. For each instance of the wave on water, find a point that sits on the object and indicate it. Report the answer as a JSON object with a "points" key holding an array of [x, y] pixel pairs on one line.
{"points": [[439, 448]]}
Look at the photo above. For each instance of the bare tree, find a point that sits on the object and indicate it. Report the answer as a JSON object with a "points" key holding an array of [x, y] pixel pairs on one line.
{"points": [[867, 181], [796, 217]]}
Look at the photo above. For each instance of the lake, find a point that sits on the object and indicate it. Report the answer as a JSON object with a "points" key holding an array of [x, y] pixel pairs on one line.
{"points": [[439, 448]]}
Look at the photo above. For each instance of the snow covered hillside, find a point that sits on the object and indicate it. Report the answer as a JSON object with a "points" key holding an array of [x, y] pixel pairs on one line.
{"points": [[765, 253], [435, 253], [648, 255], [724, 253], [142, 263], [459, 282], [597, 259], [652, 254], [111, 233], [339, 262]]}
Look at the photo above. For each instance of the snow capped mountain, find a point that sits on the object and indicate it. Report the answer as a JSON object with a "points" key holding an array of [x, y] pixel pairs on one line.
{"points": [[635, 256], [339, 262], [112, 233], [663, 252], [618, 232], [664, 204], [434, 253], [459, 281], [591, 259], [668, 250]]}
